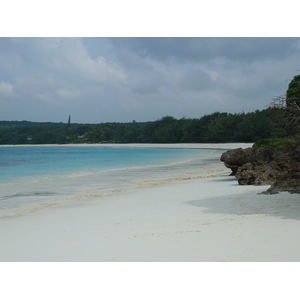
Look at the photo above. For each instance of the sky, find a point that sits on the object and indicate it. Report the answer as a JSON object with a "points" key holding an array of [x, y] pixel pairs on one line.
{"points": [[121, 79]]}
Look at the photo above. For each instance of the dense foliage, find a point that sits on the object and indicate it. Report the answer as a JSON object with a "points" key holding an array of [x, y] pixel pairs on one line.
{"points": [[276, 142], [214, 128], [285, 109], [293, 91]]}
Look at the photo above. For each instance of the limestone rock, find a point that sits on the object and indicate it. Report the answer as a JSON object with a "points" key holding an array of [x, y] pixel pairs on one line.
{"points": [[278, 167], [235, 158]]}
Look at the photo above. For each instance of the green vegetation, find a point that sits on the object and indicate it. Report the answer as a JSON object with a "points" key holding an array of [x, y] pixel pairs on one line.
{"points": [[276, 142], [214, 128], [285, 117], [293, 91], [285, 110]]}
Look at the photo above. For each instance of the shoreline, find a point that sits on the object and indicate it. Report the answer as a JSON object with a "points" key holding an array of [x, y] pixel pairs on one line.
{"points": [[216, 146], [207, 217], [81, 194]]}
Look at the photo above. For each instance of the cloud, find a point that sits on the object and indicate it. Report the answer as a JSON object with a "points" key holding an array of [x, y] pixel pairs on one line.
{"points": [[121, 79], [6, 89], [149, 84], [68, 94], [194, 79], [48, 67], [203, 49]]}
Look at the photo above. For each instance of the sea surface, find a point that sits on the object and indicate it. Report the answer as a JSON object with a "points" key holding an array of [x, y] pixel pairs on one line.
{"points": [[36, 175]]}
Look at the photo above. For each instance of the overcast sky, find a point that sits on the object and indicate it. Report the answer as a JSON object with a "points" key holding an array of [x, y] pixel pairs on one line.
{"points": [[123, 79]]}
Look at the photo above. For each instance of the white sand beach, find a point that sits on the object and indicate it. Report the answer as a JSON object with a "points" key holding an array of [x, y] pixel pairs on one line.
{"points": [[203, 218]]}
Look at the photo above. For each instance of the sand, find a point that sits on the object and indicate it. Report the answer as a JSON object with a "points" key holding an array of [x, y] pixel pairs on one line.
{"points": [[207, 218]]}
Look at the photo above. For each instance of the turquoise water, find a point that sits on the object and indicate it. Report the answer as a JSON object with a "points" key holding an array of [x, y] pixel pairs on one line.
{"points": [[17, 163], [33, 175]]}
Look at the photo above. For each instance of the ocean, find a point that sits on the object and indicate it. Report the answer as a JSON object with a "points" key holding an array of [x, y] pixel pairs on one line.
{"points": [[38, 176]]}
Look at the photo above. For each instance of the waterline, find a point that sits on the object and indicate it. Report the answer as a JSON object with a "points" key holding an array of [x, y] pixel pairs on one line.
{"points": [[37, 176]]}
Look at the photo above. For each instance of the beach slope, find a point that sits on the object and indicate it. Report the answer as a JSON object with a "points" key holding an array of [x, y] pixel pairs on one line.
{"points": [[205, 219]]}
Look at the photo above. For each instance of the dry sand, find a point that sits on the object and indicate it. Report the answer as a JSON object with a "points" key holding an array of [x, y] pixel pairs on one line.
{"points": [[207, 218]]}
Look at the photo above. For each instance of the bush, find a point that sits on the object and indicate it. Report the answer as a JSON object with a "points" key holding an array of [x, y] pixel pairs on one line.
{"points": [[276, 142], [278, 133]]}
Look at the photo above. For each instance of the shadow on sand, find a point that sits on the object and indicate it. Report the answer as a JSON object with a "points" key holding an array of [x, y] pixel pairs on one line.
{"points": [[282, 205]]}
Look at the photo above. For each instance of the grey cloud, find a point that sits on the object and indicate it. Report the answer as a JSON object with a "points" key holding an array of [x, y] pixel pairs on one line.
{"points": [[195, 79], [121, 79], [202, 49], [6, 89], [48, 61], [148, 83]]}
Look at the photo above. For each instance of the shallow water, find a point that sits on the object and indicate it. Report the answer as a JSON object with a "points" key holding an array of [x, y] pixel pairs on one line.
{"points": [[36, 175]]}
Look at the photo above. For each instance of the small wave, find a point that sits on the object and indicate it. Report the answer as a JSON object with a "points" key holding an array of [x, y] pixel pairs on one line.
{"points": [[28, 194]]}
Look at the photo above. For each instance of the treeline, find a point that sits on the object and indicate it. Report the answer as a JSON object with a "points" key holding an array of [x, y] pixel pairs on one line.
{"points": [[219, 127]]}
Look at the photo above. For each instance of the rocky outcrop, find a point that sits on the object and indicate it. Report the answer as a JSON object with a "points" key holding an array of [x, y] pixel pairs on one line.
{"points": [[278, 167]]}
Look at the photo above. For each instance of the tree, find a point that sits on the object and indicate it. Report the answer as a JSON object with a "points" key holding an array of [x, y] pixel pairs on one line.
{"points": [[69, 121], [254, 126], [293, 91], [286, 108], [96, 135]]}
